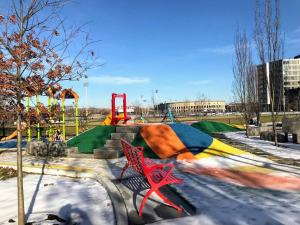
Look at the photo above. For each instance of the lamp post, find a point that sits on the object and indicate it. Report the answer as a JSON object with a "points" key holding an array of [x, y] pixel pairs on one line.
{"points": [[156, 100], [142, 97]]}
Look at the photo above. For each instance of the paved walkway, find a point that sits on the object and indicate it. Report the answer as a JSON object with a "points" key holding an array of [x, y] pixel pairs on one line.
{"points": [[76, 165]]}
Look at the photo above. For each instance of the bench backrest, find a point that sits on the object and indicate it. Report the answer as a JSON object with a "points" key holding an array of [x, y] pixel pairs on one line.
{"points": [[134, 156]]}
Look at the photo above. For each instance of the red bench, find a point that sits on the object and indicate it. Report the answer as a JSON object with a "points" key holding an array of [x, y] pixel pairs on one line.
{"points": [[157, 175]]}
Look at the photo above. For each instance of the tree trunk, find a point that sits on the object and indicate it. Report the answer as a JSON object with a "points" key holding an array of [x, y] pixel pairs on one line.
{"points": [[3, 128], [21, 214], [257, 118], [274, 129]]}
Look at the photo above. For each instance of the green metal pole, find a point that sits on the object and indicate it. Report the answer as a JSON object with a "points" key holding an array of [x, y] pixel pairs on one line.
{"points": [[28, 129], [76, 115], [38, 111], [63, 118]]}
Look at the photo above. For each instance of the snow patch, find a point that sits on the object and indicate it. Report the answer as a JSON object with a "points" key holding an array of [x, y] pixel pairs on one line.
{"points": [[80, 201]]}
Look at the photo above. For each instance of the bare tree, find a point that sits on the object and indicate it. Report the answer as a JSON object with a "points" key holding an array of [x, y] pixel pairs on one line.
{"points": [[35, 58], [137, 107], [244, 72], [253, 92], [201, 100], [269, 44]]}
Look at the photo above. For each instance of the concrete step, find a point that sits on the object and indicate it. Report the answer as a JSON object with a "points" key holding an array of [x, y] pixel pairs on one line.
{"points": [[127, 129], [107, 153], [127, 136], [113, 144], [81, 156]]}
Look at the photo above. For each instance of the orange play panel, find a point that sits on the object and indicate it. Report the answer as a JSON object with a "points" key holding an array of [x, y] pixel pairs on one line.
{"points": [[164, 142]]}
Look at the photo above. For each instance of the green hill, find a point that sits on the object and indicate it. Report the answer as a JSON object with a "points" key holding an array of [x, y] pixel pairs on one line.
{"points": [[91, 139], [213, 127]]}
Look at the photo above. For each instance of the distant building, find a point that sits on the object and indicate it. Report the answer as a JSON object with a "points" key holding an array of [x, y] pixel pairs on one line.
{"points": [[293, 99], [129, 109], [286, 74], [193, 107], [233, 107]]}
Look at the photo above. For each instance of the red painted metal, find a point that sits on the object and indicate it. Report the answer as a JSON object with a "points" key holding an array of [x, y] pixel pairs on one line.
{"points": [[114, 118], [157, 175]]}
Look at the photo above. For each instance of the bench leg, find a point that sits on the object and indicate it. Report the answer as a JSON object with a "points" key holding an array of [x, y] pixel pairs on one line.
{"points": [[124, 169], [144, 201], [168, 201]]}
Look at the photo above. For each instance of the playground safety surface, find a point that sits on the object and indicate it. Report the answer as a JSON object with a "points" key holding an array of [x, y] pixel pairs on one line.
{"points": [[236, 144], [199, 190]]}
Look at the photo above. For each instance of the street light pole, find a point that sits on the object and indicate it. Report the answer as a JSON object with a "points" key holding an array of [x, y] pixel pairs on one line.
{"points": [[142, 104], [156, 92]]}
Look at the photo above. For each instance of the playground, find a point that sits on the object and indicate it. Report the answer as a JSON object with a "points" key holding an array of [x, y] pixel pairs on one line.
{"points": [[208, 180]]}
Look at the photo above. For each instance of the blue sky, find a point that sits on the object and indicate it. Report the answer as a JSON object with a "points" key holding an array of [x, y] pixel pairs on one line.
{"points": [[179, 47]]}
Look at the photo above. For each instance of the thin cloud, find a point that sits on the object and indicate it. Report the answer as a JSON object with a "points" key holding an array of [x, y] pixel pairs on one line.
{"points": [[118, 80], [227, 49], [290, 40], [293, 37], [200, 82], [297, 30]]}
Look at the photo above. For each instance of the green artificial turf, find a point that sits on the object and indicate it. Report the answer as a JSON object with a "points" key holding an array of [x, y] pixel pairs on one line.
{"points": [[91, 139], [139, 141], [213, 127]]}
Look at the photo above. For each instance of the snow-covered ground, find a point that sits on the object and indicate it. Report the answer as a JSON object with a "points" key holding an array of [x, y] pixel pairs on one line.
{"points": [[219, 203], [77, 201], [289, 150]]}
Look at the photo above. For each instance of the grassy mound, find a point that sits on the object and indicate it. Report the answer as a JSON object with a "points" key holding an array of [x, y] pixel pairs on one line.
{"points": [[213, 127], [91, 139]]}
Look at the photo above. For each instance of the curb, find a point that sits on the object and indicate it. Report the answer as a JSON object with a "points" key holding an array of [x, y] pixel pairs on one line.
{"points": [[119, 208]]}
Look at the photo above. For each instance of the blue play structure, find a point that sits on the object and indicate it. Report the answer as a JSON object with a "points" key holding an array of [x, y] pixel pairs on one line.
{"points": [[169, 114]]}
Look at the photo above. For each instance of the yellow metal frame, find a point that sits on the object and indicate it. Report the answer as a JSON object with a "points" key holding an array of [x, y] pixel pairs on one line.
{"points": [[38, 111], [28, 129], [50, 125], [69, 92]]}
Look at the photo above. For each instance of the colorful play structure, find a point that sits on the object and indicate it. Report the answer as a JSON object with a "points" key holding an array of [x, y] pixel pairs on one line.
{"points": [[52, 101], [14, 134], [181, 141], [169, 114], [69, 94], [201, 154], [114, 118]]}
